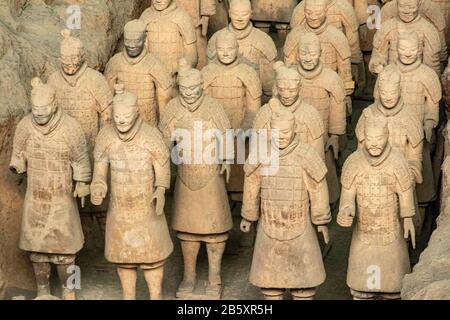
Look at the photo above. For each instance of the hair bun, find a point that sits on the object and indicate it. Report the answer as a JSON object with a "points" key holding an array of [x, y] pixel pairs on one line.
{"points": [[36, 82], [119, 88], [66, 33]]}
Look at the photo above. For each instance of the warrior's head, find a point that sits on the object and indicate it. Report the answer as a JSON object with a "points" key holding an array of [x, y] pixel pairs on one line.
{"points": [[135, 33], [309, 51], [190, 82], [43, 102], [161, 5], [315, 13], [287, 84], [408, 10], [240, 13], [389, 88], [72, 55], [408, 47], [226, 47], [376, 135], [125, 109], [283, 123]]}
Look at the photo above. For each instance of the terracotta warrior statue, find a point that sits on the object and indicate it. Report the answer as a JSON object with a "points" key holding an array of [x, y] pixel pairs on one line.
{"points": [[385, 43], [335, 49], [255, 46], [141, 73], [201, 12], [378, 192], [323, 89], [309, 126], [135, 156], [273, 12], [444, 6], [405, 128], [198, 125], [430, 11], [421, 92], [83, 93], [340, 14], [171, 34], [237, 87], [290, 203], [51, 229]]}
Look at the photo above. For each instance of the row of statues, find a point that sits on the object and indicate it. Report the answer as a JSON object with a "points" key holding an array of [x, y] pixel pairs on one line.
{"points": [[82, 140]]}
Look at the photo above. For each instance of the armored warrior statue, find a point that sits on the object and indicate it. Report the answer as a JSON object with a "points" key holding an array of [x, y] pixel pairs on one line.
{"points": [[444, 6], [385, 43], [405, 128], [421, 92], [323, 89], [273, 12], [201, 12], [171, 34], [51, 148], [201, 210], [137, 234], [335, 49], [309, 127], [289, 202], [83, 93], [237, 87], [255, 46], [141, 73], [378, 191], [340, 14], [429, 10]]}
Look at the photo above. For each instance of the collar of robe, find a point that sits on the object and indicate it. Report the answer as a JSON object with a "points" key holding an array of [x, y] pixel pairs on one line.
{"points": [[393, 111], [135, 60], [409, 67], [128, 136], [377, 161], [310, 74], [72, 80], [241, 34], [51, 125], [194, 106]]}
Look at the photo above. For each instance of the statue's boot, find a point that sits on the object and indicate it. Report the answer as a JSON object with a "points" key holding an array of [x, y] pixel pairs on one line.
{"points": [[190, 251], [42, 274], [154, 278], [128, 276], [303, 294], [272, 294], [359, 295]]}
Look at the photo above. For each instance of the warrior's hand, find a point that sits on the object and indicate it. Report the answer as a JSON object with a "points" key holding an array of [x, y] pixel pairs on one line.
{"points": [[204, 23], [226, 168], [82, 190], [345, 217], [428, 129], [98, 192], [160, 198], [409, 231], [333, 143], [245, 225], [324, 231]]}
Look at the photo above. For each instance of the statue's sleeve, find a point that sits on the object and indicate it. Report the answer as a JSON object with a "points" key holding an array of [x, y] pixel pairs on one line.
{"points": [[338, 112], [19, 156], [81, 165], [405, 190], [161, 155], [319, 200], [111, 73], [207, 7], [251, 198]]}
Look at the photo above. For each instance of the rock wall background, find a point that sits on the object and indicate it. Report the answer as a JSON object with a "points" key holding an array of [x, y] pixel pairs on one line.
{"points": [[29, 47]]}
